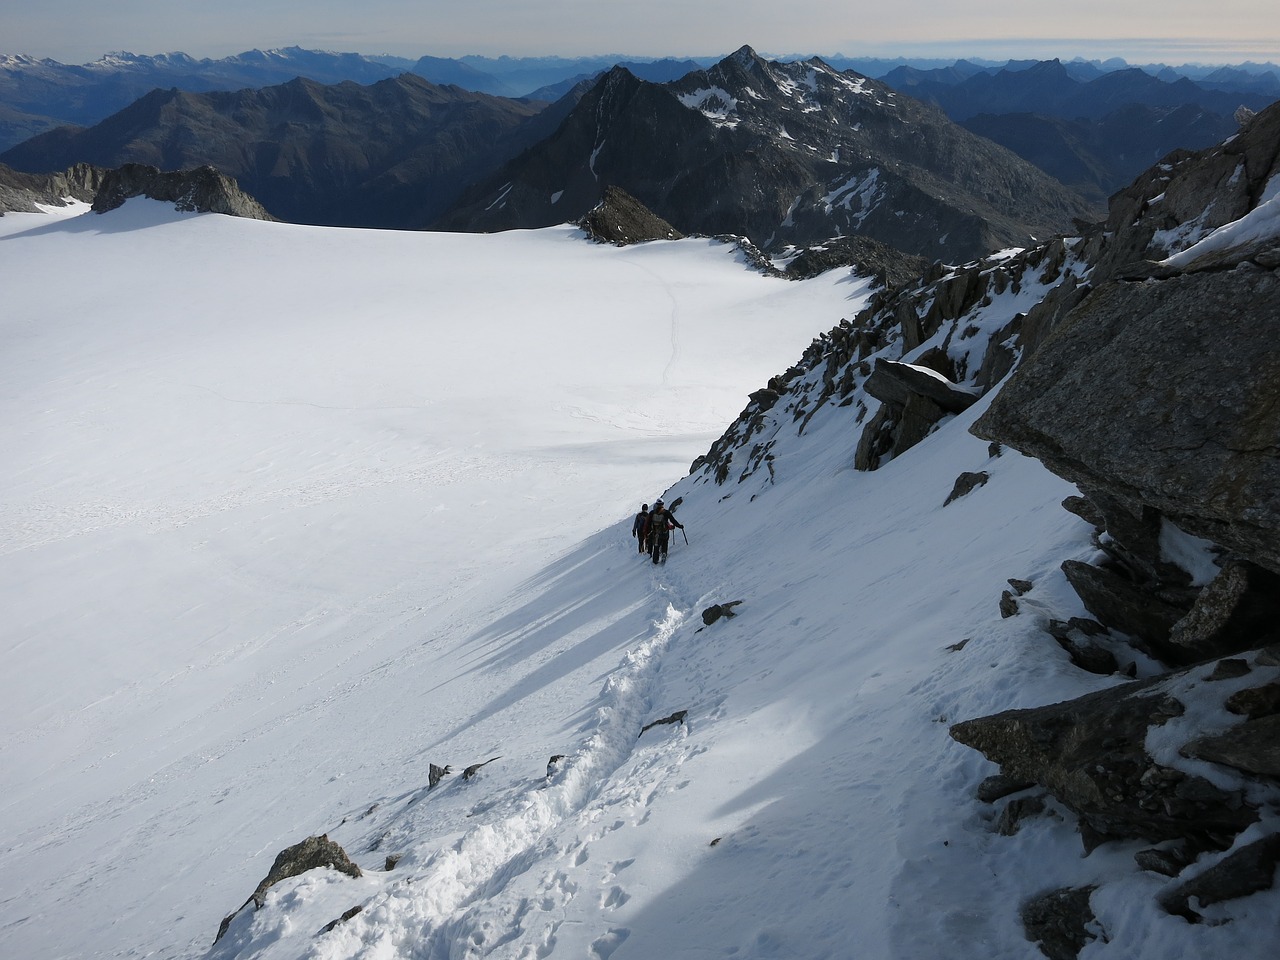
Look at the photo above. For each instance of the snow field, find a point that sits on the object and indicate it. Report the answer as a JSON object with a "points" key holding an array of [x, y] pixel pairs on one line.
{"points": [[268, 489], [424, 558]]}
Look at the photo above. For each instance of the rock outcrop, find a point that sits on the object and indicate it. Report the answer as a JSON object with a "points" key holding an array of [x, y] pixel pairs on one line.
{"points": [[914, 355], [309, 854], [1090, 754], [27, 192], [202, 190], [621, 219], [1156, 394], [1060, 922], [1138, 360], [1161, 393]]}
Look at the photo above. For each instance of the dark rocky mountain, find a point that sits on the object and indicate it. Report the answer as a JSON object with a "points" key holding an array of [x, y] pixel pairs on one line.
{"points": [[1098, 157], [445, 71], [1092, 129], [781, 153], [393, 154], [1144, 357], [655, 71], [1228, 79], [1055, 89], [40, 95]]}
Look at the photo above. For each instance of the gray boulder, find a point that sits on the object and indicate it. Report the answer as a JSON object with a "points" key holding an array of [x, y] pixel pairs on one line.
{"points": [[1254, 702], [895, 382], [965, 484], [310, 854], [1238, 610], [718, 610], [1161, 392], [1244, 871], [1253, 746], [1060, 922], [1090, 754]]}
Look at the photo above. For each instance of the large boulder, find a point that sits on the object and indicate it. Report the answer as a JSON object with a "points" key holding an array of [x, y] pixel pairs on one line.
{"points": [[895, 382], [1163, 393], [309, 854], [1090, 753], [1060, 922]]}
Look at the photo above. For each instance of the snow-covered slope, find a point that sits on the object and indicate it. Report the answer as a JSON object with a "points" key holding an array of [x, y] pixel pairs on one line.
{"points": [[294, 514], [268, 490]]}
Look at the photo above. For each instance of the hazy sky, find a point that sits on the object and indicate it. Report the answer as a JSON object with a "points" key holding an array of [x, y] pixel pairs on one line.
{"points": [[1172, 31]]}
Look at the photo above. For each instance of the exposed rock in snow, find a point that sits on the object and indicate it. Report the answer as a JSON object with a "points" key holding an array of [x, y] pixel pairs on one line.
{"points": [[309, 854], [1153, 394], [1244, 871], [966, 483], [718, 610], [27, 192], [202, 190], [1090, 754], [1253, 746], [1061, 922], [620, 218]]}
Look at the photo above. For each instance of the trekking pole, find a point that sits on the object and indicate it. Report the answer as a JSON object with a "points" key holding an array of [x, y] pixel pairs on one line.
{"points": [[685, 535]]}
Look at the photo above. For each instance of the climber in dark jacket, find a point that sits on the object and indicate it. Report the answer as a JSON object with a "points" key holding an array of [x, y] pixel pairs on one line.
{"points": [[640, 528], [661, 522]]}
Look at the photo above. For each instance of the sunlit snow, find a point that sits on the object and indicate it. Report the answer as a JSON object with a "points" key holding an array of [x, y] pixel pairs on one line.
{"points": [[291, 513]]}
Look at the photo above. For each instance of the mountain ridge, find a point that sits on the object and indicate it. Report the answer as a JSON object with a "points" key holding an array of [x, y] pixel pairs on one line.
{"points": [[392, 154], [816, 154]]}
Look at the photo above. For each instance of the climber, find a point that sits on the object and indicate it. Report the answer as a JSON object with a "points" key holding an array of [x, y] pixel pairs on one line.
{"points": [[640, 528], [661, 522]]}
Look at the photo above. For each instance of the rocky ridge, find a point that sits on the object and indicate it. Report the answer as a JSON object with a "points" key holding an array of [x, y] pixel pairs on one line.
{"points": [[202, 190], [393, 154], [198, 190], [27, 192], [1144, 369]]}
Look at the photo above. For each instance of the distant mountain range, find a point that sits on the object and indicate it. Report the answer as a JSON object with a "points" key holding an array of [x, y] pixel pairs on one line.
{"points": [[39, 94], [1071, 90], [782, 152], [1092, 130]]}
